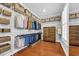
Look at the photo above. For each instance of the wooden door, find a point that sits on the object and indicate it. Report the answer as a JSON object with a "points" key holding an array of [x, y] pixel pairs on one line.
{"points": [[74, 35], [49, 34]]}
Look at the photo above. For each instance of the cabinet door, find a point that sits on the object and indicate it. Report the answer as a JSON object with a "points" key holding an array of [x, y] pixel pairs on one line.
{"points": [[74, 35], [52, 34], [49, 34], [46, 31]]}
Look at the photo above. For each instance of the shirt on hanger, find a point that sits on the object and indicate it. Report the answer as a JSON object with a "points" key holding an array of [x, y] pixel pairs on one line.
{"points": [[29, 23], [25, 22], [19, 21]]}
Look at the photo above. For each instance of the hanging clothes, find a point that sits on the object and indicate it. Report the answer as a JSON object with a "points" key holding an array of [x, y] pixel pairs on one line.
{"points": [[40, 26], [19, 42], [26, 40], [37, 26], [25, 22], [19, 21], [29, 23], [33, 25]]}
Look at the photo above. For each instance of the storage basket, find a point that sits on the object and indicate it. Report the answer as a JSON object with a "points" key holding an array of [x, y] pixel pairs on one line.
{"points": [[4, 48], [6, 13], [4, 21], [19, 8], [6, 30], [9, 5], [72, 16], [0, 10], [5, 39], [0, 30]]}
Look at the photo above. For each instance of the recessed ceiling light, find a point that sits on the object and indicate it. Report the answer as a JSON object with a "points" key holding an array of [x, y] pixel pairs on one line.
{"points": [[44, 10]]}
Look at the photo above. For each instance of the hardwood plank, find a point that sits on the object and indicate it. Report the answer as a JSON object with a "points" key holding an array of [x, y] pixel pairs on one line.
{"points": [[42, 48], [74, 50]]}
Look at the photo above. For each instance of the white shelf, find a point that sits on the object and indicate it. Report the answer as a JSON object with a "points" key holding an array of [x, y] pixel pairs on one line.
{"points": [[18, 49], [7, 53], [27, 32], [5, 34], [2, 16], [5, 42]]}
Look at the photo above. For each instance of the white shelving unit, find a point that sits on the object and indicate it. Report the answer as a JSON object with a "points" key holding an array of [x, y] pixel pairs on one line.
{"points": [[7, 33], [14, 32]]}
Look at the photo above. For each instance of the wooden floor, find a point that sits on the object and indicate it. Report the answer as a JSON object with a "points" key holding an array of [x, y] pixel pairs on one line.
{"points": [[74, 51], [42, 48]]}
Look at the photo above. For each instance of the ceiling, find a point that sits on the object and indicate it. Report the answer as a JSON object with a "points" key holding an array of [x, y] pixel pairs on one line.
{"points": [[44, 10]]}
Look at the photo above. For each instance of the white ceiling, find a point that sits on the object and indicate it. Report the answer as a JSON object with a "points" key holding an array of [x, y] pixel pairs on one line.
{"points": [[50, 8], [74, 7]]}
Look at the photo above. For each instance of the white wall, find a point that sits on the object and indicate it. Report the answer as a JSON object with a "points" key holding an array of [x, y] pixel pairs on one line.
{"points": [[65, 29], [52, 24], [74, 8]]}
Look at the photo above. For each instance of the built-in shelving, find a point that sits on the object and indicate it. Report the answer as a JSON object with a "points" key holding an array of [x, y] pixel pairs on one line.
{"points": [[6, 26], [13, 33]]}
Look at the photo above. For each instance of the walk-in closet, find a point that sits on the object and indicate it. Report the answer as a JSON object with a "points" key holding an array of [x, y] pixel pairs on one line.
{"points": [[35, 29]]}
